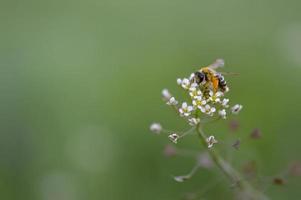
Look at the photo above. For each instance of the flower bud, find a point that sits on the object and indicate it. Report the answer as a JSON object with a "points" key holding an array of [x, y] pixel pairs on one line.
{"points": [[156, 128]]}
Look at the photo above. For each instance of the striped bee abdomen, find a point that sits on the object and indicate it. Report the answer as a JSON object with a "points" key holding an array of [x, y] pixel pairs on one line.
{"points": [[221, 82]]}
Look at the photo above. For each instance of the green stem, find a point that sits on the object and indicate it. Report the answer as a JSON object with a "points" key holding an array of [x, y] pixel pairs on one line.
{"points": [[245, 191]]}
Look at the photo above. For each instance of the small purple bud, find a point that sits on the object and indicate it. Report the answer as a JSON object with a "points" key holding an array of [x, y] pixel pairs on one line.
{"points": [[170, 151], [233, 125], [255, 134]]}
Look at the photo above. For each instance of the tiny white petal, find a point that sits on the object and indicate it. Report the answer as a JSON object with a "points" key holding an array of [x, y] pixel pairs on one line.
{"points": [[199, 98], [185, 83], [172, 101], [222, 113], [192, 76], [179, 81], [193, 85], [192, 89], [166, 94], [225, 103], [218, 94], [185, 80], [202, 108]]}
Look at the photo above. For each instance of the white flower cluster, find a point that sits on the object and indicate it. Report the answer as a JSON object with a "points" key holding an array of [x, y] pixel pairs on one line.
{"points": [[203, 100]]}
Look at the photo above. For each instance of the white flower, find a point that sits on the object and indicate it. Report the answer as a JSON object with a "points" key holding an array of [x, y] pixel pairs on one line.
{"points": [[199, 102], [195, 93], [179, 81], [219, 94], [185, 84], [226, 89], [191, 76], [211, 111], [193, 86], [215, 97], [204, 108], [174, 137], [194, 121], [172, 101], [208, 109], [156, 128], [235, 109], [225, 103], [211, 141], [166, 94], [222, 113], [185, 110]]}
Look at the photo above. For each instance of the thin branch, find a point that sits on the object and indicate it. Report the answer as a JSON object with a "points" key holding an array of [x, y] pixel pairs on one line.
{"points": [[245, 190]]}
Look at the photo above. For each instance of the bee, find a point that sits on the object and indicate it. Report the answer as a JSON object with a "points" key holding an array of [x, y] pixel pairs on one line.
{"points": [[208, 77]]}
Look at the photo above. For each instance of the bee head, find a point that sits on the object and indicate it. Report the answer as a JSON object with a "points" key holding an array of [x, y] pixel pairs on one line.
{"points": [[199, 77]]}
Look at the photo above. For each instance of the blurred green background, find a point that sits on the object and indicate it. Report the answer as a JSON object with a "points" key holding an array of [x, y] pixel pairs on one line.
{"points": [[81, 82]]}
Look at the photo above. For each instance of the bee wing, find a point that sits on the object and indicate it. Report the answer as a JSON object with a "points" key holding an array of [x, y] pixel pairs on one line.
{"points": [[229, 73], [217, 64]]}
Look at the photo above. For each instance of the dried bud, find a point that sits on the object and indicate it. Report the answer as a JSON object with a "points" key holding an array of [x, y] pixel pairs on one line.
{"points": [[193, 121], [204, 161], [255, 134], [170, 151], [250, 169], [190, 196], [279, 181], [233, 125], [295, 168], [174, 137], [211, 141], [236, 109], [236, 144]]}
